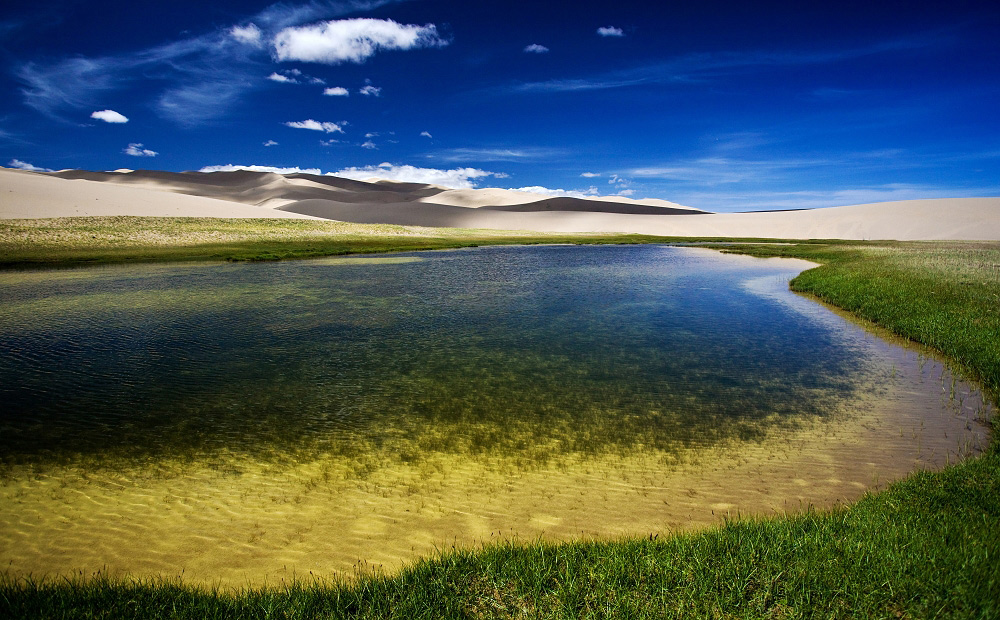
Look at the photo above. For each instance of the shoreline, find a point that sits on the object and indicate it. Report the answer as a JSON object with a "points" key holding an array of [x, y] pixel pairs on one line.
{"points": [[828, 255], [305, 197]]}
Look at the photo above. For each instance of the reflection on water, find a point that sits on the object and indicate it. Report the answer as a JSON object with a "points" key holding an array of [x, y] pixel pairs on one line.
{"points": [[254, 419]]}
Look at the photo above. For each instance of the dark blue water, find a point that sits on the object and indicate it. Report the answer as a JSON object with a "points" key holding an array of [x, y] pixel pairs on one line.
{"points": [[523, 352]]}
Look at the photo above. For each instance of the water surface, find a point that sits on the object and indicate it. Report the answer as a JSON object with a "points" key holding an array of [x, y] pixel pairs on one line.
{"points": [[261, 419]]}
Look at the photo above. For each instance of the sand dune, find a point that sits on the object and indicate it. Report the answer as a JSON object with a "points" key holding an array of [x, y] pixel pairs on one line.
{"points": [[33, 195], [594, 206], [265, 194], [938, 219]]}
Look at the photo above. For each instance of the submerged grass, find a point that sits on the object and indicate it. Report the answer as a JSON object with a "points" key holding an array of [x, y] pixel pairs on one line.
{"points": [[926, 547]]}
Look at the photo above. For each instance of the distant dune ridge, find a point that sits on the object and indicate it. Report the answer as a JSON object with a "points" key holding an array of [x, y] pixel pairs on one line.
{"points": [[247, 194]]}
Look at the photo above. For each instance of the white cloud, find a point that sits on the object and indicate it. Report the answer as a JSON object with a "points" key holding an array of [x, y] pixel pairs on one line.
{"points": [[23, 165], [315, 126], [336, 91], [199, 77], [370, 91], [426, 134], [199, 102], [626, 192], [329, 142], [500, 154], [610, 31], [371, 134], [351, 40], [270, 143], [231, 168], [249, 34], [458, 178], [556, 193], [590, 175], [109, 116], [535, 48], [619, 181], [369, 145], [135, 150], [294, 76], [284, 79]]}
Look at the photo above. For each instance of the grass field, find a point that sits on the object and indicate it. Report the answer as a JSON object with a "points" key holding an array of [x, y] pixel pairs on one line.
{"points": [[927, 547], [98, 240]]}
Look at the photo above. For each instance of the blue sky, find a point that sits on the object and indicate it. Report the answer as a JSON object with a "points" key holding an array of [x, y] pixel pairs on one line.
{"points": [[723, 106]]}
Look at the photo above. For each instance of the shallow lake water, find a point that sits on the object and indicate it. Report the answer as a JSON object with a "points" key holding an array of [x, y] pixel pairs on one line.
{"points": [[246, 423]]}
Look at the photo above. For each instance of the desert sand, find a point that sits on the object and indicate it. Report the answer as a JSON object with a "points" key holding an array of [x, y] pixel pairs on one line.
{"points": [[243, 194], [35, 195]]}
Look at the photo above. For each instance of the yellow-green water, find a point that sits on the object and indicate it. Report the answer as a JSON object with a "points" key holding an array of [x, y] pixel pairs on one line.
{"points": [[242, 423]]}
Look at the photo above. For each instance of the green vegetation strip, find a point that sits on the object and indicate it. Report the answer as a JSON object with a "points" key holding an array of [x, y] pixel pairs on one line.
{"points": [[928, 547], [101, 240]]}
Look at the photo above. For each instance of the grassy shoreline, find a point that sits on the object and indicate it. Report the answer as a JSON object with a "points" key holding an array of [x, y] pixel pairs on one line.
{"points": [[78, 241], [925, 547]]}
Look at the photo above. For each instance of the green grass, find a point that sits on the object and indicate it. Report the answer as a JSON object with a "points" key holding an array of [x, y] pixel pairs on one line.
{"points": [[119, 239], [927, 547]]}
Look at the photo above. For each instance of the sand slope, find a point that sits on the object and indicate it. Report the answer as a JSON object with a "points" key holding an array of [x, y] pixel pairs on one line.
{"points": [[263, 194], [937, 219], [34, 195]]}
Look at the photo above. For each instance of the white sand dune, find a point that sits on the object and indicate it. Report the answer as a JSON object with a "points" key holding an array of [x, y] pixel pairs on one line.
{"points": [[264, 194], [935, 219], [34, 195]]}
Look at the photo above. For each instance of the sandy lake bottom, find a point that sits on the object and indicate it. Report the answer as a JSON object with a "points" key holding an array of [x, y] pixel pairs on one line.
{"points": [[244, 424]]}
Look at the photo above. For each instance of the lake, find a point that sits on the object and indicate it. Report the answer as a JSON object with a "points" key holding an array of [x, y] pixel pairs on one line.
{"points": [[246, 423]]}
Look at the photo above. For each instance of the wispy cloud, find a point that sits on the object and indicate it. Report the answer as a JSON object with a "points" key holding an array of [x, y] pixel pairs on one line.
{"points": [[523, 153], [535, 48], [619, 181], [834, 94], [294, 76], [426, 134], [270, 143], [72, 83], [23, 165], [284, 79], [731, 180], [249, 34], [135, 149], [196, 79], [316, 126], [610, 31], [820, 198], [707, 66], [724, 170], [370, 91]]}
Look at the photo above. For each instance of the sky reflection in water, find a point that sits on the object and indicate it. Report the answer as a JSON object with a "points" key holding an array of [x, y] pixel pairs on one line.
{"points": [[525, 353]]}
